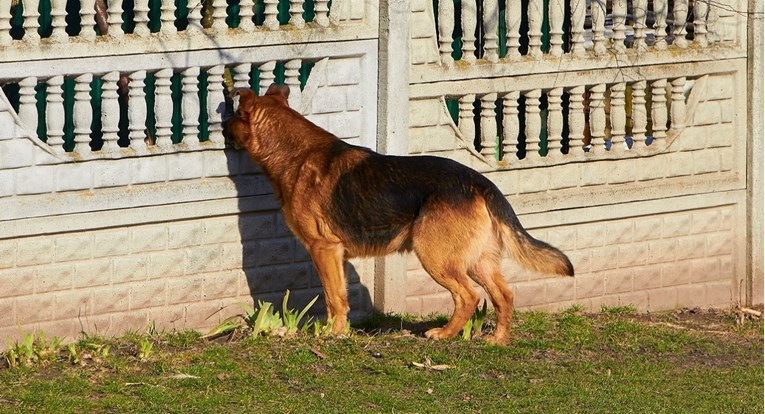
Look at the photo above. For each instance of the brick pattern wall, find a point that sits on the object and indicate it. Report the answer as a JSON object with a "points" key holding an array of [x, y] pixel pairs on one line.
{"points": [[104, 246], [655, 262], [176, 275]]}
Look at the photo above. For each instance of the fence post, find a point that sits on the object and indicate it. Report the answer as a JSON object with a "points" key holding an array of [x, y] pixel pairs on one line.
{"points": [[754, 200], [389, 290]]}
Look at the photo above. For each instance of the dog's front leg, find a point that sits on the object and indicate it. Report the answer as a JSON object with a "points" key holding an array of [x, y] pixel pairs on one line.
{"points": [[328, 258]]}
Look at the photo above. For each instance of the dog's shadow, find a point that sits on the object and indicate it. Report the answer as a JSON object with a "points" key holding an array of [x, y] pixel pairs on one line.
{"points": [[273, 260], [377, 323]]}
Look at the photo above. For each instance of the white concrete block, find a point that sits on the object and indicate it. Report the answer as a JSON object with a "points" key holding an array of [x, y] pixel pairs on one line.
{"points": [[720, 87], [7, 183], [74, 176], [216, 164], [16, 153], [425, 112], [112, 173], [36, 180], [150, 170], [326, 101], [184, 166], [346, 124], [344, 71], [7, 126]]}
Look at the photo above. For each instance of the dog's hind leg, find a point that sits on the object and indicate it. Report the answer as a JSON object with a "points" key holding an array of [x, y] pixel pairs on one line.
{"points": [[486, 273], [328, 259], [446, 239], [465, 302]]}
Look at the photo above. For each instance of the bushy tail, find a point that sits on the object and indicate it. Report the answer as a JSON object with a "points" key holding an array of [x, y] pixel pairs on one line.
{"points": [[533, 254]]}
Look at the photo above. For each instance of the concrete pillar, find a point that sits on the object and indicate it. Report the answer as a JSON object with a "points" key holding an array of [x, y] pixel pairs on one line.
{"points": [[392, 133], [754, 184]]}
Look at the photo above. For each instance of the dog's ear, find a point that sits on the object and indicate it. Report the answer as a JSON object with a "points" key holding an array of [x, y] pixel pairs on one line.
{"points": [[281, 91], [239, 92], [239, 95]]}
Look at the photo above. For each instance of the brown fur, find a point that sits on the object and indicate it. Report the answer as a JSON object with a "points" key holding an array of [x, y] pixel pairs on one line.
{"points": [[343, 201]]}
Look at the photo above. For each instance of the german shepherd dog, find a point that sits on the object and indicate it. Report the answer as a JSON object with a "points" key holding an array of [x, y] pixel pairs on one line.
{"points": [[344, 201]]}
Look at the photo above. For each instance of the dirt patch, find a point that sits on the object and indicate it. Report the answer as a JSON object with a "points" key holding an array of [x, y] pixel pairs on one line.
{"points": [[712, 321]]}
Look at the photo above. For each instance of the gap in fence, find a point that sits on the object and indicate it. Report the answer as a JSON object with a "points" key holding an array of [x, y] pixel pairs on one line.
{"points": [[12, 92], [73, 18]]}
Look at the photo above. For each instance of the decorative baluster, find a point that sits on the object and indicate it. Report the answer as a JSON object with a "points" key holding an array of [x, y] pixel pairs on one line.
{"points": [[321, 10], [490, 30], [678, 104], [619, 13], [137, 111], [513, 23], [115, 18], [469, 11], [510, 127], [659, 109], [58, 21], [576, 120], [195, 17], [267, 76], [554, 122], [598, 15], [466, 125], [83, 113], [639, 114], [533, 122], [639, 12], [167, 17], [597, 117], [190, 106], [246, 13], [215, 103], [31, 21], [28, 103], [578, 12], [618, 116], [163, 107], [88, 20], [700, 11], [292, 80], [219, 15], [341, 11], [271, 11], [713, 17], [54, 113], [5, 23], [242, 75], [535, 28], [679, 13], [296, 14], [110, 112], [445, 27], [489, 126], [141, 9], [556, 27], [660, 26]]}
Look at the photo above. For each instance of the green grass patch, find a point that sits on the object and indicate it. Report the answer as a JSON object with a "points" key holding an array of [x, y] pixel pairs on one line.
{"points": [[568, 362]]}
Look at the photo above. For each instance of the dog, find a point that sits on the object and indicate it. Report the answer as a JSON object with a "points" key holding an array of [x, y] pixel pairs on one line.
{"points": [[344, 201]]}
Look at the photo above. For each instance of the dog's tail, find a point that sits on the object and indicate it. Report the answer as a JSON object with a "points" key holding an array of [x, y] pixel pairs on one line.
{"points": [[533, 254]]}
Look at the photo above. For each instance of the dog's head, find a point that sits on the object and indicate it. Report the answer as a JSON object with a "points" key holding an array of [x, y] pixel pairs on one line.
{"points": [[251, 115]]}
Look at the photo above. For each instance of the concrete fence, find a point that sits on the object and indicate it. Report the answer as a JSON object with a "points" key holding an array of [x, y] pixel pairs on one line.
{"points": [[627, 133]]}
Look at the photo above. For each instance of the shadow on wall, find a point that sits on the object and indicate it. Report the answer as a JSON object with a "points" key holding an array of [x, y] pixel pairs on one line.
{"points": [[273, 260]]}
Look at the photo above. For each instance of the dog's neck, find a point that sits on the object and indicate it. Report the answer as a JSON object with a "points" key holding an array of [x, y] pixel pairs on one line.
{"points": [[287, 134]]}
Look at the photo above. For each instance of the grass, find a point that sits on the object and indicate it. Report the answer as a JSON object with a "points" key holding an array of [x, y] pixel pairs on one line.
{"points": [[571, 362]]}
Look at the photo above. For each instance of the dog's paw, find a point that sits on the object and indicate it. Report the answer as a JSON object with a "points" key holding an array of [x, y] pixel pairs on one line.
{"points": [[496, 340], [436, 334]]}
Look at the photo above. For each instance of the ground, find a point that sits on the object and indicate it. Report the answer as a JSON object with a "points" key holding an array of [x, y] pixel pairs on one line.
{"points": [[690, 361]]}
